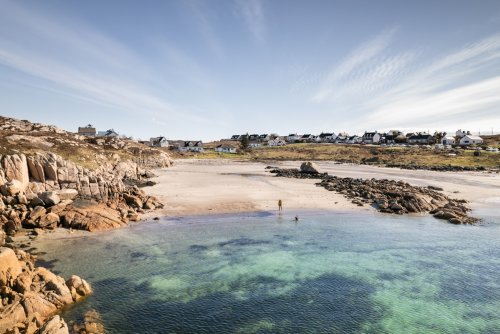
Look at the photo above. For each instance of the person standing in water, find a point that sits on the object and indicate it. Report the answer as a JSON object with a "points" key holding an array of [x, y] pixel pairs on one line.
{"points": [[280, 205]]}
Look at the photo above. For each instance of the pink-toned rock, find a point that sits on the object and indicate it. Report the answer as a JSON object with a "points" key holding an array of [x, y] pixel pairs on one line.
{"points": [[55, 325], [79, 287], [10, 268]]}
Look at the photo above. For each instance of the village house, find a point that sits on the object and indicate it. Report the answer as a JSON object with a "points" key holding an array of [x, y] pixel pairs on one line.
{"points": [[393, 136], [254, 137], [307, 138], [327, 137], [341, 138], [87, 131], [225, 148], [448, 140], [353, 140], [470, 140], [277, 141], [461, 133], [254, 144], [421, 139], [293, 137], [158, 142], [264, 137], [108, 133], [235, 137], [188, 146], [371, 137]]}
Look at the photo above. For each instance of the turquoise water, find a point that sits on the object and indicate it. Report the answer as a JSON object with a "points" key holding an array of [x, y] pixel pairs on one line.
{"points": [[328, 273]]}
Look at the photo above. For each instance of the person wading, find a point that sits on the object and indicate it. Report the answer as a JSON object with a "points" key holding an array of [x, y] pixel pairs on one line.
{"points": [[280, 205]]}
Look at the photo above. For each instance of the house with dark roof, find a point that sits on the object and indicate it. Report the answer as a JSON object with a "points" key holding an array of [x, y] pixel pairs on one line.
{"points": [[87, 131], [264, 137], [307, 138], [158, 142], [353, 140], [225, 148], [421, 139], [371, 137], [235, 137], [327, 137], [108, 133], [292, 137], [189, 146], [254, 137]]}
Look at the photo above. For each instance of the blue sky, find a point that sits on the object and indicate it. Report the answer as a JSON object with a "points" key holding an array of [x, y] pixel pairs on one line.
{"points": [[209, 69]]}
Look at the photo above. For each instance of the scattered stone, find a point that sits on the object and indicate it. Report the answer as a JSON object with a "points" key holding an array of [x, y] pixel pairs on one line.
{"points": [[390, 196], [310, 168]]}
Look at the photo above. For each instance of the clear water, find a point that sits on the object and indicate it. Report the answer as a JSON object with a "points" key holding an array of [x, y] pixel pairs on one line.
{"points": [[328, 273]]}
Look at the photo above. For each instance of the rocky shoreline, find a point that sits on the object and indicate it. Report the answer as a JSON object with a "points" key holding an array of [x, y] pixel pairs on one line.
{"points": [[41, 190], [388, 196]]}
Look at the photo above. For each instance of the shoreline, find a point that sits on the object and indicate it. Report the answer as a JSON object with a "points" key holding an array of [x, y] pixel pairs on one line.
{"points": [[194, 187]]}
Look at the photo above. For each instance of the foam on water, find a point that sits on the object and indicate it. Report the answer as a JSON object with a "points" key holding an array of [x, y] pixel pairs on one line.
{"points": [[328, 273]]}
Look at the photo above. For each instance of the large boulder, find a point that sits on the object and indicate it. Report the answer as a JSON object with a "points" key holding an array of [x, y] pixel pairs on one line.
{"points": [[310, 168], [55, 325], [78, 287], [10, 267], [50, 198], [90, 216], [65, 194], [16, 168], [12, 188]]}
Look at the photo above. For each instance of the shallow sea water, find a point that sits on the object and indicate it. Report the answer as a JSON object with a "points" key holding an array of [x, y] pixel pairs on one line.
{"points": [[328, 273]]}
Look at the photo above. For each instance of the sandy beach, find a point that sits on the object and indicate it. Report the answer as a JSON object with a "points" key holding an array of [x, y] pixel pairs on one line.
{"points": [[194, 187]]}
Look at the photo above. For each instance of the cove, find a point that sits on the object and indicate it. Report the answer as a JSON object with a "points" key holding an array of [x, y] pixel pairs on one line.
{"points": [[262, 273]]}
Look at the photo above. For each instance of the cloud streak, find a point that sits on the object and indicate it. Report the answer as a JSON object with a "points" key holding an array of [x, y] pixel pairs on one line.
{"points": [[88, 64], [404, 91], [252, 12]]}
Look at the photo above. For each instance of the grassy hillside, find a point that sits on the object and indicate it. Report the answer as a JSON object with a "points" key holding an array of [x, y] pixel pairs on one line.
{"points": [[18, 136], [363, 154]]}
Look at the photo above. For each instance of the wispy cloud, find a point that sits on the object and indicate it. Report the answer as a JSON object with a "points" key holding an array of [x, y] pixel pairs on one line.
{"points": [[252, 12], [206, 27], [352, 67], [404, 90], [87, 63]]}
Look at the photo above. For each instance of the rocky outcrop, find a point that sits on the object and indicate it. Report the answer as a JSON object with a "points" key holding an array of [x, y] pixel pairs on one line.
{"points": [[42, 191], [390, 196], [310, 168], [31, 294]]}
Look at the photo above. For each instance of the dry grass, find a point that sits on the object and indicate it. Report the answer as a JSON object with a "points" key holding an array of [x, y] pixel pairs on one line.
{"points": [[363, 154]]}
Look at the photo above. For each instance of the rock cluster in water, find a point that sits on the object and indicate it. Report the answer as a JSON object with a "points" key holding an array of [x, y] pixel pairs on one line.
{"points": [[30, 295], [389, 196]]}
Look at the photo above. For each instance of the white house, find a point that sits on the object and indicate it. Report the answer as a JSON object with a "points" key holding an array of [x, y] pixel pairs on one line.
{"points": [[470, 140], [254, 144], [307, 138], [448, 140], [353, 140], [158, 142], [225, 149], [278, 141], [461, 133], [371, 137], [421, 138], [264, 137], [291, 138], [327, 137], [190, 146], [108, 133]]}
